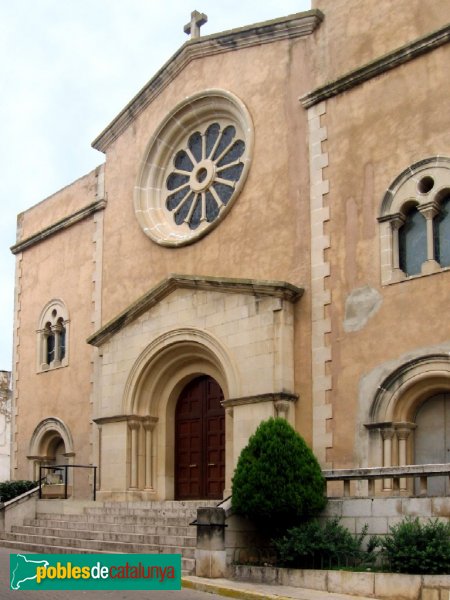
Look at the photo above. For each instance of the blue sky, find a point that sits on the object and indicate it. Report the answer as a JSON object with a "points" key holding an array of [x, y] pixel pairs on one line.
{"points": [[67, 68]]}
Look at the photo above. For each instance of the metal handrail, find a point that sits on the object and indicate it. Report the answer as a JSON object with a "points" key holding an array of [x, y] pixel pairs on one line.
{"points": [[65, 468]]}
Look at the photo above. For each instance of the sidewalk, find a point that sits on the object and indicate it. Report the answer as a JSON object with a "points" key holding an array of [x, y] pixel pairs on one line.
{"points": [[246, 590]]}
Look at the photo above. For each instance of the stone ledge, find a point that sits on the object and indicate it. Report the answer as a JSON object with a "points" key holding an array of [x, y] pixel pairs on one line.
{"points": [[64, 223], [378, 66], [292, 26]]}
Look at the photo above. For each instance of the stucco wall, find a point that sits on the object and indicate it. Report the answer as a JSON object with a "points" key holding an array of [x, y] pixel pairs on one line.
{"points": [[374, 132]]}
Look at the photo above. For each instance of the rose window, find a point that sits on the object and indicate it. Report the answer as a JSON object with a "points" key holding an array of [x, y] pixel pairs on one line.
{"points": [[195, 168], [204, 175]]}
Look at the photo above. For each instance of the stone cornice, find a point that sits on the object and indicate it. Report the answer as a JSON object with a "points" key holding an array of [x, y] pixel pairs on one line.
{"points": [[276, 289], [64, 223], [292, 26], [379, 66], [125, 418], [269, 397]]}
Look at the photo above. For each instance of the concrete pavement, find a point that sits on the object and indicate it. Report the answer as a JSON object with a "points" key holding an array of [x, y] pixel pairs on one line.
{"points": [[258, 591]]}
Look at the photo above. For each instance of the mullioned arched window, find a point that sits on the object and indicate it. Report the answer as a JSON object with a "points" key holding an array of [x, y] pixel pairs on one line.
{"points": [[52, 336], [415, 221]]}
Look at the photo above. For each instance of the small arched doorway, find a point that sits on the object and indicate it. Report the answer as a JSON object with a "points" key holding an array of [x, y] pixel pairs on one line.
{"points": [[432, 439], [200, 441]]}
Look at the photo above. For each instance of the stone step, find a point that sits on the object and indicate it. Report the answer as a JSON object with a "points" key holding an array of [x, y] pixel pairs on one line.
{"points": [[158, 504], [153, 513], [177, 530], [187, 564], [146, 519], [97, 545], [114, 536]]}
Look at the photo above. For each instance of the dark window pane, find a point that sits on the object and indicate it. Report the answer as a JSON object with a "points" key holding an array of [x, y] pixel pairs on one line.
{"points": [[174, 199], [442, 234], [233, 154], [212, 210], [412, 239], [224, 191], [183, 211], [50, 348], [211, 136], [175, 180], [227, 137], [62, 343], [195, 145], [183, 162], [197, 214], [231, 173]]}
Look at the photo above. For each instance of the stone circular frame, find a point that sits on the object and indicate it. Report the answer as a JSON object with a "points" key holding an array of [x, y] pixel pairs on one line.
{"points": [[194, 168]]}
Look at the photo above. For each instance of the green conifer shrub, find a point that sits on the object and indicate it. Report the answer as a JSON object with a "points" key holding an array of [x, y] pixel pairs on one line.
{"points": [[278, 482]]}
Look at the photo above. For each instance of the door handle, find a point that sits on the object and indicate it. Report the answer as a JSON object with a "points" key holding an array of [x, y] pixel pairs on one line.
{"points": [[211, 464], [192, 466]]}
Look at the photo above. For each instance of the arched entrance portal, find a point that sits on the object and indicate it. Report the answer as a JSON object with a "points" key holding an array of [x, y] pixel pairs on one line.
{"points": [[200, 441]]}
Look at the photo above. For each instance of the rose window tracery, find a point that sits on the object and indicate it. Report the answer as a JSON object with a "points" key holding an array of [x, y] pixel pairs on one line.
{"points": [[204, 175], [194, 168]]}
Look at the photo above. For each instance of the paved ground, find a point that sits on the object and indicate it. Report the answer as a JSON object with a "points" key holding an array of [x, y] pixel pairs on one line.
{"points": [[259, 591], [194, 588]]}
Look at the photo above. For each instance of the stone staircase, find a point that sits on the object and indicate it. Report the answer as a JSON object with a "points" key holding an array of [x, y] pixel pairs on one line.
{"points": [[113, 527]]}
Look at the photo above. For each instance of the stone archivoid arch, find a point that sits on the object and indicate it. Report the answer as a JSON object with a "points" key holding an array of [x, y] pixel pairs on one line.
{"points": [[153, 387], [401, 393], [167, 365], [45, 438], [397, 401]]}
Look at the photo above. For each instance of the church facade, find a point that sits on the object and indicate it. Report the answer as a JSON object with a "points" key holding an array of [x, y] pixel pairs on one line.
{"points": [[269, 235]]}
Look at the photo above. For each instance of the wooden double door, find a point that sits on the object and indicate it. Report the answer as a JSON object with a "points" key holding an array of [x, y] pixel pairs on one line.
{"points": [[200, 441]]}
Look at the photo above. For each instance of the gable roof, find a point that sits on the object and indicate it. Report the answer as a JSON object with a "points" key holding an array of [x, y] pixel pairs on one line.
{"points": [[276, 289], [293, 26]]}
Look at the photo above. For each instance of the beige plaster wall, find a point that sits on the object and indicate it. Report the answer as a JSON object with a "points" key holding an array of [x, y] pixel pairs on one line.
{"points": [[355, 32], [60, 267], [374, 132], [266, 234], [63, 203]]}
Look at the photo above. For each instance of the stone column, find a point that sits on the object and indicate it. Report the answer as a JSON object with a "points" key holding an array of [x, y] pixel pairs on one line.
{"points": [[403, 431], [282, 408], [149, 425], [396, 222], [429, 211], [134, 459], [57, 333], [387, 434]]}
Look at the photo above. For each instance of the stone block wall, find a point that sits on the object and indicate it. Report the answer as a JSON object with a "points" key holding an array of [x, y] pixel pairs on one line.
{"points": [[382, 513]]}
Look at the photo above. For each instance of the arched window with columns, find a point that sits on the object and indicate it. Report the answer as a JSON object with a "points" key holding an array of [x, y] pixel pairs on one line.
{"points": [[410, 419], [415, 222], [52, 336]]}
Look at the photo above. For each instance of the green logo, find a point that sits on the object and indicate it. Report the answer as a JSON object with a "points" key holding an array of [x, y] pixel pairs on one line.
{"points": [[95, 571]]}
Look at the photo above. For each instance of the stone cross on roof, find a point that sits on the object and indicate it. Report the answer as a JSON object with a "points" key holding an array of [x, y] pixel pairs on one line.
{"points": [[193, 27]]}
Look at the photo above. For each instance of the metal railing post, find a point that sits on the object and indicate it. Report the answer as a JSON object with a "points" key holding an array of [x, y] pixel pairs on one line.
{"points": [[40, 482]]}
